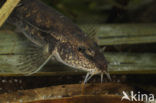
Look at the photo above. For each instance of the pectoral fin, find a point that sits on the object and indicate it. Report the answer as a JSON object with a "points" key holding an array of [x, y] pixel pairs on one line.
{"points": [[33, 59]]}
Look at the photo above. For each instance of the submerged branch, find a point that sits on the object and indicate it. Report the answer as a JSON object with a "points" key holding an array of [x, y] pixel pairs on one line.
{"points": [[6, 10], [64, 91]]}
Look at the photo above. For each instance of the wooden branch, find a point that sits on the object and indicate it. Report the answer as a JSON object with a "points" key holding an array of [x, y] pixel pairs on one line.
{"points": [[115, 34], [6, 10], [88, 99], [131, 63], [64, 91]]}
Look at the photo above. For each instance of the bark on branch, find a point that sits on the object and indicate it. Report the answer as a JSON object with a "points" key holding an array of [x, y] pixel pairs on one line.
{"points": [[6, 10]]}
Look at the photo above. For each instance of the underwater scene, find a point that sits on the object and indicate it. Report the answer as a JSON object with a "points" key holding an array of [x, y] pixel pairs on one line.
{"points": [[77, 51]]}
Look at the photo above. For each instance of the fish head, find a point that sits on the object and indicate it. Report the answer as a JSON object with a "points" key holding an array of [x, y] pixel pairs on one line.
{"points": [[83, 54]]}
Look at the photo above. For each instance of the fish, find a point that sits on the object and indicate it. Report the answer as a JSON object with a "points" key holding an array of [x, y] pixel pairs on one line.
{"points": [[55, 36]]}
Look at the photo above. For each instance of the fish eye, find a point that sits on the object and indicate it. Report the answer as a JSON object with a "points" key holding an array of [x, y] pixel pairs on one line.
{"points": [[81, 49], [87, 51]]}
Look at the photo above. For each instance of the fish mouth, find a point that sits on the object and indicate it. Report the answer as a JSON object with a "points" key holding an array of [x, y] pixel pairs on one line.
{"points": [[89, 75]]}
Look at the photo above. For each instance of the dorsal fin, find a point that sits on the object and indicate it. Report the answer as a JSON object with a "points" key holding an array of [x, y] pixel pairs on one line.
{"points": [[88, 26], [89, 30]]}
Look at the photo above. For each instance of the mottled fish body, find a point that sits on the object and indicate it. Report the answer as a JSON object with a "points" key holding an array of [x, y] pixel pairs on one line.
{"points": [[54, 35]]}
